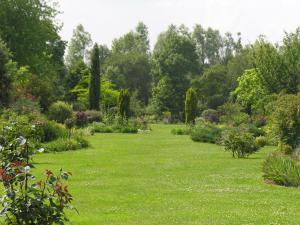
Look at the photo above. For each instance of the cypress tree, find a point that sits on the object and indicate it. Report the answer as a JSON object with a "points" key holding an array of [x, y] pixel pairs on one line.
{"points": [[190, 106], [124, 104], [5, 81], [94, 91]]}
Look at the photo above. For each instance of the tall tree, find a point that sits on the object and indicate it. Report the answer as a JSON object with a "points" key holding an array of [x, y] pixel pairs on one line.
{"points": [[31, 32], [5, 80], [94, 91], [124, 104], [79, 45], [174, 61], [128, 65]]}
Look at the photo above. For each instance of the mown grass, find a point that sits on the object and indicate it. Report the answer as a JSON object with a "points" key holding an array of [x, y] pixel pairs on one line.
{"points": [[164, 179]]}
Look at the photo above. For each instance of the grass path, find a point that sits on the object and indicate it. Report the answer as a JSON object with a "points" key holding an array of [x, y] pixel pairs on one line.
{"points": [[162, 179]]}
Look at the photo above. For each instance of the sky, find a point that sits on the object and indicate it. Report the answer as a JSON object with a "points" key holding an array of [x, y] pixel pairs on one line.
{"points": [[110, 19]]}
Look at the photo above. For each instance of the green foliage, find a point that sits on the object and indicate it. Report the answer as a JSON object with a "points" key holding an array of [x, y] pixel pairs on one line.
{"points": [[26, 201], [109, 94], [50, 130], [25, 106], [94, 88], [261, 141], [231, 114], [124, 104], [60, 111], [5, 79], [281, 170], [181, 131], [66, 144], [210, 115], [286, 120], [31, 32], [250, 90], [98, 127], [213, 86], [240, 142], [190, 106], [128, 65], [78, 46], [174, 60], [206, 133]]}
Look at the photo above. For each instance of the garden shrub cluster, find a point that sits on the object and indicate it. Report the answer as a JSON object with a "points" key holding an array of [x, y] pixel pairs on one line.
{"points": [[282, 170], [206, 132]]}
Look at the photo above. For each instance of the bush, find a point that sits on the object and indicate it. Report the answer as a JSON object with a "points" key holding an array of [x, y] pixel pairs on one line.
{"points": [[210, 115], [66, 144], [206, 133], [81, 119], [255, 130], [281, 170], [60, 111], [101, 128], [286, 120], [261, 141], [25, 106], [181, 131], [285, 149], [190, 106], [240, 142], [50, 130], [93, 116]]}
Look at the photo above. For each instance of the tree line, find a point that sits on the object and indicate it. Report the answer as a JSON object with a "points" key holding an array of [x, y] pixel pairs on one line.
{"points": [[36, 64]]}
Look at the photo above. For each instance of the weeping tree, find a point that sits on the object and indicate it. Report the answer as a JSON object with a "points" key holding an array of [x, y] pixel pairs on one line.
{"points": [[124, 104], [5, 81], [190, 106], [94, 92]]}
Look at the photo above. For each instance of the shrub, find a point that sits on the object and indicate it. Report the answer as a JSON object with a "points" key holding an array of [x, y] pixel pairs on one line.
{"points": [[190, 106], [50, 130], [281, 170], [255, 130], [210, 115], [240, 142], [93, 116], [101, 128], [285, 149], [26, 201], [124, 104], [181, 131], [231, 113], [60, 111], [206, 133], [25, 106], [261, 141], [81, 119], [66, 144], [286, 120]]}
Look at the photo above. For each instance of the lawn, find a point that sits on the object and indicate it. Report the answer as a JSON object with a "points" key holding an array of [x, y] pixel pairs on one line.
{"points": [[160, 179]]}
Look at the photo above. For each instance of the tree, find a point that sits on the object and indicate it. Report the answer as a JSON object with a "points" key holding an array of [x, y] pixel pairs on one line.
{"points": [[190, 106], [124, 104], [78, 49], [174, 62], [31, 32], [5, 80], [94, 91], [128, 65], [285, 120], [213, 86], [250, 89]]}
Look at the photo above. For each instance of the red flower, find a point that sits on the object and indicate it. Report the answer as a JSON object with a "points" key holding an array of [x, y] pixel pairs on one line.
{"points": [[49, 173], [58, 187]]}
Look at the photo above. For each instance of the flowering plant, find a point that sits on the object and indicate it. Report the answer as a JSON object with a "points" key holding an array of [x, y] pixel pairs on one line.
{"points": [[27, 201]]}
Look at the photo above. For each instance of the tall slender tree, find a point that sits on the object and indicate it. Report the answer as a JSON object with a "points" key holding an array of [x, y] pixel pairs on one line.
{"points": [[190, 106], [94, 92]]}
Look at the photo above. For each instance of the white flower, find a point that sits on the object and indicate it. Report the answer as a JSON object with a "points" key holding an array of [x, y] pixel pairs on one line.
{"points": [[41, 150], [27, 169], [1, 147], [21, 140]]}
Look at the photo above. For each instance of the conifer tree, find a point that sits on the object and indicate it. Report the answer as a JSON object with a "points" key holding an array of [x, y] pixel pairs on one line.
{"points": [[124, 104], [190, 106], [94, 92]]}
